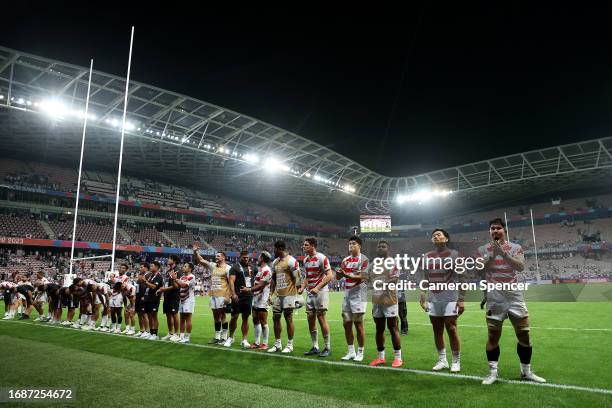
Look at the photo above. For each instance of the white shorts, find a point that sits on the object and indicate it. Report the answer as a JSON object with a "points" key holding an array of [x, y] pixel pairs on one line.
{"points": [[41, 297], [114, 301], [21, 296], [187, 305], [379, 311], [282, 303], [441, 309], [353, 304], [502, 310], [260, 302], [318, 302], [217, 302]]}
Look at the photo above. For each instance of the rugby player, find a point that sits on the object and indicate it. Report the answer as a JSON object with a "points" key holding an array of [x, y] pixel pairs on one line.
{"points": [[503, 261], [219, 291], [240, 275], [141, 288], [186, 284], [385, 306], [443, 306], [171, 299], [318, 275], [285, 275], [116, 306], [153, 282], [261, 300], [353, 269], [129, 292]]}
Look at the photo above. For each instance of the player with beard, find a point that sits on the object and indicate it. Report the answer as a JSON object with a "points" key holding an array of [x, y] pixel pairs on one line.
{"points": [[220, 293], [503, 261]]}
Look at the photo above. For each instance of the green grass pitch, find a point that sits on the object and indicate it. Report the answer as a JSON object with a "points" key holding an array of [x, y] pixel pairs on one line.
{"points": [[572, 343]]}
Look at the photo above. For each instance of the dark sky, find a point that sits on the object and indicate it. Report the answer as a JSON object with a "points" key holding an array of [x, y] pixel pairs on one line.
{"points": [[419, 89]]}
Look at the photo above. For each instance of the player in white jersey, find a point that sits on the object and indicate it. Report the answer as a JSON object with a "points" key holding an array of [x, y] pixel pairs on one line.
{"points": [[40, 297], [116, 307], [353, 269], [503, 260], [10, 299], [318, 275], [186, 284], [129, 293], [261, 300], [444, 306], [385, 305]]}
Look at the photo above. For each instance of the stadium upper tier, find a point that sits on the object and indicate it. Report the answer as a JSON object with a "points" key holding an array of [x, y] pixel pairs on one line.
{"points": [[177, 137], [156, 194]]}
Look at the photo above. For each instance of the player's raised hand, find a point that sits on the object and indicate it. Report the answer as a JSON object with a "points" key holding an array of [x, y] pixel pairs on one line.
{"points": [[196, 246]]}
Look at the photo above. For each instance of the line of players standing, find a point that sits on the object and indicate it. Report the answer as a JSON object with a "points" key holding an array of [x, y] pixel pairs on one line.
{"points": [[241, 290]]}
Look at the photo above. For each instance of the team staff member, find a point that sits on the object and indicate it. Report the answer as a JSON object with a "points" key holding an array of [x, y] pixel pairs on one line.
{"points": [[240, 275], [151, 298]]}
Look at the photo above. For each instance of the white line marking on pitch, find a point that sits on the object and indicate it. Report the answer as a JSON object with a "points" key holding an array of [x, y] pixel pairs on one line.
{"points": [[460, 325], [361, 366]]}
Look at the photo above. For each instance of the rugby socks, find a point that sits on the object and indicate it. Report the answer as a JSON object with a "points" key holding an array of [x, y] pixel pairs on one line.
{"points": [[397, 354], [381, 353], [493, 357], [257, 332], [224, 325], [217, 330], [327, 342], [278, 344], [351, 349], [456, 356], [266, 332], [83, 319], [104, 321], [314, 337], [524, 354], [442, 355], [360, 350], [290, 343]]}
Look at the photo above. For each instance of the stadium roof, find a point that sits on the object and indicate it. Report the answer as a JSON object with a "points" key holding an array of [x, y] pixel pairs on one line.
{"points": [[181, 138]]}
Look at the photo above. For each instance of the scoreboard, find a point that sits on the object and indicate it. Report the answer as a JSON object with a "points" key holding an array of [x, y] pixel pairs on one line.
{"points": [[375, 223]]}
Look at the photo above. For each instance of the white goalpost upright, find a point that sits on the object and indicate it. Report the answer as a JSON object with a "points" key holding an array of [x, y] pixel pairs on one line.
{"points": [[535, 247], [125, 100], [70, 276]]}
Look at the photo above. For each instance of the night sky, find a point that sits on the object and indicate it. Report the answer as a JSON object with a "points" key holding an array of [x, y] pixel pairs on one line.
{"points": [[431, 87]]}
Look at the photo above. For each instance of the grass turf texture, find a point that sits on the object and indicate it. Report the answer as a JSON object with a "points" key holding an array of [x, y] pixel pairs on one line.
{"points": [[564, 353]]}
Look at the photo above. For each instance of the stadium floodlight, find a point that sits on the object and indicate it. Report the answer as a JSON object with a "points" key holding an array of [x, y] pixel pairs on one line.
{"points": [[251, 158], [1, 97], [55, 108], [20, 101], [274, 164]]}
